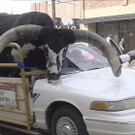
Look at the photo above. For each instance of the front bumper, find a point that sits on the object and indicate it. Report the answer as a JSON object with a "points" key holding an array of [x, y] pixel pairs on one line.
{"points": [[111, 126]]}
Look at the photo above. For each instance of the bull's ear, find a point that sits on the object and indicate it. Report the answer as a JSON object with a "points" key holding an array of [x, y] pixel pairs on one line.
{"points": [[101, 43], [19, 33]]}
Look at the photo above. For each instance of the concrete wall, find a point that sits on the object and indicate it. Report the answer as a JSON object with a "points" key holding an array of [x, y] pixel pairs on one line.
{"points": [[102, 8], [70, 9]]}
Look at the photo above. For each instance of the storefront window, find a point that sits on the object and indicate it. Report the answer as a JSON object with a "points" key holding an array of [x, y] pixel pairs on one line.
{"points": [[123, 33], [108, 29], [131, 34], [118, 30]]}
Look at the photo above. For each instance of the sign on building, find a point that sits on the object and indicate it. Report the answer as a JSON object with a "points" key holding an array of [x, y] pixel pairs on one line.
{"points": [[68, 23]]}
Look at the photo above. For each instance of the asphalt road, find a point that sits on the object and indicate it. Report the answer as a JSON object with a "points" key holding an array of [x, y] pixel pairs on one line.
{"points": [[5, 131]]}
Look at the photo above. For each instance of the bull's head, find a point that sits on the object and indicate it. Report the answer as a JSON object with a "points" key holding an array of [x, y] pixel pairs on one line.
{"points": [[56, 41]]}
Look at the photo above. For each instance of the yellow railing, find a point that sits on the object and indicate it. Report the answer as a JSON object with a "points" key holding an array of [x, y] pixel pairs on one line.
{"points": [[25, 87]]}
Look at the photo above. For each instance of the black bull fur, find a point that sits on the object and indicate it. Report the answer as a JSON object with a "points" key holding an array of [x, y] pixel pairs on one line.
{"points": [[35, 57], [8, 21]]}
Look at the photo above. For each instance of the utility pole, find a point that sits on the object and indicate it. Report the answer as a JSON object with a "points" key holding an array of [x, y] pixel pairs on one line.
{"points": [[53, 11], [83, 9]]}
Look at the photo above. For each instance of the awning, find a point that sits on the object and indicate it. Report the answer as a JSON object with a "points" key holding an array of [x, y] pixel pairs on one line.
{"points": [[107, 18]]}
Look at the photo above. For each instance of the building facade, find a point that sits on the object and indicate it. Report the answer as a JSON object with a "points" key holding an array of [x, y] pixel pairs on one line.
{"points": [[111, 17], [105, 17], [67, 13]]}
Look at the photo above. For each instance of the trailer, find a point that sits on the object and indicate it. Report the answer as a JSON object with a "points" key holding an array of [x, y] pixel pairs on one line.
{"points": [[16, 97]]}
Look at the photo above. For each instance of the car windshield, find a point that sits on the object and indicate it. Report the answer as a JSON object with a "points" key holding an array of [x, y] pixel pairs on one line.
{"points": [[82, 57]]}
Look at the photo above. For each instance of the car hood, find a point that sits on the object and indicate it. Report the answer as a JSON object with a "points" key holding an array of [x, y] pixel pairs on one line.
{"points": [[97, 84], [100, 83]]}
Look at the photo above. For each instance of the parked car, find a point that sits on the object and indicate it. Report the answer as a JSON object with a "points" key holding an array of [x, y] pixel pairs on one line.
{"points": [[131, 61], [132, 58], [95, 102], [125, 59]]}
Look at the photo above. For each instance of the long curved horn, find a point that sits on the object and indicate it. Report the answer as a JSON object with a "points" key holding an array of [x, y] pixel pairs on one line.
{"points": [[101, 43], [32, 32], [18, 33]]}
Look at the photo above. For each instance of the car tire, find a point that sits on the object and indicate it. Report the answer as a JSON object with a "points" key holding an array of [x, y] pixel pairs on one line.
{"points": [[132, 64], [67, 121]]}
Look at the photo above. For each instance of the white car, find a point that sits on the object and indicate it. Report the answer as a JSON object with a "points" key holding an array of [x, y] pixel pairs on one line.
{"points": [[88, 99]]}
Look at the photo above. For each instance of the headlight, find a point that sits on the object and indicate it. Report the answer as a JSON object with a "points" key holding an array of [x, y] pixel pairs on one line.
{"points": [[107, 106]]}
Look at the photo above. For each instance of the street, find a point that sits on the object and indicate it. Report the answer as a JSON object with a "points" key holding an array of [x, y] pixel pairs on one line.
{"points": [[10, 131], [5, 131]]}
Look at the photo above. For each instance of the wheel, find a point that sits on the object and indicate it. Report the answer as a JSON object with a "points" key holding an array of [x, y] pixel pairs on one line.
{"points": [[132, 64], [67, 121]]}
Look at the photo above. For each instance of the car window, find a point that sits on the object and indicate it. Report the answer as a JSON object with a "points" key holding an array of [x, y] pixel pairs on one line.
{"points": [[84, 58], [114, 45]]}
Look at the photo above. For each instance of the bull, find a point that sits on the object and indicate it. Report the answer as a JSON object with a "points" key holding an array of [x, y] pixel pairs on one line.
{"points": [[31, 52], [55, 42]]}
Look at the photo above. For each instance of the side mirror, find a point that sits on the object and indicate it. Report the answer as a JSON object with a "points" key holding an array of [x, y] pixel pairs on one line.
{"points": [[114, 45]]}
